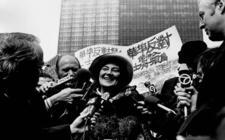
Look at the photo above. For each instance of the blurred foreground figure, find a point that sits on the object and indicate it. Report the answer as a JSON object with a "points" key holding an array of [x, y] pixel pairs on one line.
{"points": [[23, 112], [63, 97], [179, 93], [211, 92]]}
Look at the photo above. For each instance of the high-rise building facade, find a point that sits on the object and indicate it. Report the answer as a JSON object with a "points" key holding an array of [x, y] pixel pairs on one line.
{"points": [[123, 22], [140, 19], [88, 22]]}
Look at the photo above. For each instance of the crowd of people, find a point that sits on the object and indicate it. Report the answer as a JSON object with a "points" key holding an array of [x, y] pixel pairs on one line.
{"points": [[99, 103]]}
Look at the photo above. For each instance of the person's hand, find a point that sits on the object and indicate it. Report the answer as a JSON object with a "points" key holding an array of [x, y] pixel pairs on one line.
{"points": [[66, 95], [93, 119], [179, 137], [142, 108], [186, 96], [183, 98], [79, 125]]}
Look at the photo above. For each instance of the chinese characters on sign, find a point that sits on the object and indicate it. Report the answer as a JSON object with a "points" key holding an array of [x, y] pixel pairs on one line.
{"points": [[155, 58], [88, 54], [149, 53]]}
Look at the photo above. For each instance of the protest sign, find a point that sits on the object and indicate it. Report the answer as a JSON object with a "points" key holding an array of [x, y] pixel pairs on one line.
{"points": [[154, 59], [88, 54]]}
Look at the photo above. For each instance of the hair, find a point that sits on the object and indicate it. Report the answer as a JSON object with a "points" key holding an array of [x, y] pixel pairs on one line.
{"points": [[20, 55], [59, 57], [206, 58], [190, 52]]}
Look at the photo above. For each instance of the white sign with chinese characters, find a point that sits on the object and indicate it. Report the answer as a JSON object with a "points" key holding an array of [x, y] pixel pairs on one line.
{"points": [[154, 59]]}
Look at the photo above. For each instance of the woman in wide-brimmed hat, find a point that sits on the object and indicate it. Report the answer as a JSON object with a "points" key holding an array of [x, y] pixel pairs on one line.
{"points": [[120, 66], [114, 116]]}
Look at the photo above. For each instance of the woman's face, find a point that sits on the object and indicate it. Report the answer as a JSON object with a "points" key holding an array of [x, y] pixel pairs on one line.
{"points": [[109, 75]]}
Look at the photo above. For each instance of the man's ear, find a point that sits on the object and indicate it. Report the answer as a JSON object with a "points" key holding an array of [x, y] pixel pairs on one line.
{"points": [[221, 6]]}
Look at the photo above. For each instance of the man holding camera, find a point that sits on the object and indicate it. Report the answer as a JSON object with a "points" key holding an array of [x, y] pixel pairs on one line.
{"points": [[23, 113], [64, 101]]}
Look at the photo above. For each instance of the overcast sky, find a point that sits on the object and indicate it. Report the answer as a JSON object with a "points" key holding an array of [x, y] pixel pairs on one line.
{"points": [[38, 17]]}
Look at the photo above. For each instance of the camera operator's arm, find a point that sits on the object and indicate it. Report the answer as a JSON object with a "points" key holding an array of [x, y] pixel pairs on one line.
{"points": [[142, 108], [65, 131]]}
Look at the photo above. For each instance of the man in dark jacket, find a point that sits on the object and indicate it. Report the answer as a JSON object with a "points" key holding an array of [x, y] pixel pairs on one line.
{"points": [[211, 92], [188, 56], [23, 112]]}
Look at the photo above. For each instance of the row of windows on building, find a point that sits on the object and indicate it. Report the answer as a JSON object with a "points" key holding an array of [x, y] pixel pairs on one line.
{"points": [[90, 22]]}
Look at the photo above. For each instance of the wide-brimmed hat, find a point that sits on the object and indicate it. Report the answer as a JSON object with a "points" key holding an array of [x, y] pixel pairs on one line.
{"points": [[190, 51], [126, 69]]}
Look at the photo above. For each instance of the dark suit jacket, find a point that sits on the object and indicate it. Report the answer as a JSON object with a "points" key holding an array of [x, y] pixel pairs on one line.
{"points": [[28, 120], [210, 98], [168, 124], [167, 96]]}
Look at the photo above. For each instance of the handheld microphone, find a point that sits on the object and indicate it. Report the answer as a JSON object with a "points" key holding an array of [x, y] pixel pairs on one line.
{"points": [[151, 87], [82, 77], [87, 88], [185, 80], [94, 105], [91, 107], [154, 101], [185, 77]]}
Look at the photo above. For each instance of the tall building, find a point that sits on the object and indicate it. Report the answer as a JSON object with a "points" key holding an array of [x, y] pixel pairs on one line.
{"points": [[123, 22], [88, 22], [140, 19]]}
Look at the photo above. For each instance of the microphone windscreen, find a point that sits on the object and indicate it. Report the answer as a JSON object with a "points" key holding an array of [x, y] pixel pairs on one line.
{"points": [[147, 84], [82, 76], [183, 68], [151, 100]]}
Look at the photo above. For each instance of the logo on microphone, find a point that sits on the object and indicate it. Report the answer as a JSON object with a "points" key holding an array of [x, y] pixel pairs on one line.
{"points": [[185, 80], [185, 77]]}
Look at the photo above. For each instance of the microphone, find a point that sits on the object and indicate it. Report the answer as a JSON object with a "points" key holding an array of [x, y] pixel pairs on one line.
{"points": [[151, 87], [95, 104], [87, 89], [185, 79], [154, 101], [91, 107], [82, 78]]}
